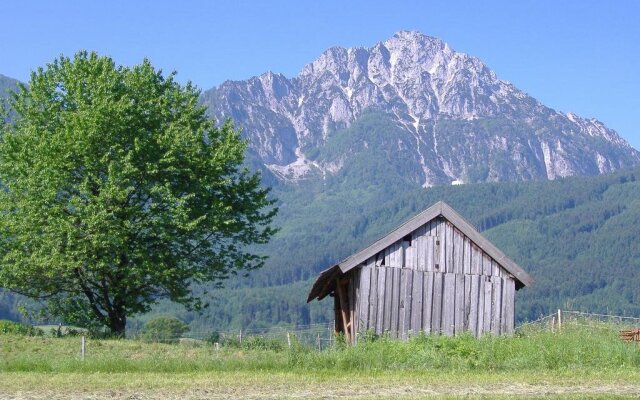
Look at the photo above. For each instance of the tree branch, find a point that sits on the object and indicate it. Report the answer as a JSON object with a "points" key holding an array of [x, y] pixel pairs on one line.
{"points": [[90, 296]]}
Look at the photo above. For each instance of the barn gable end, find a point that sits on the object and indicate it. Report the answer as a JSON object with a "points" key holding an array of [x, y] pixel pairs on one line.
{"points": [[435, 273]]}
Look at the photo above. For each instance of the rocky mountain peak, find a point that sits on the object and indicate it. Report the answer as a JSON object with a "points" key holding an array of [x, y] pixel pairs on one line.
{"points": [[423, 47], [456, 120]]}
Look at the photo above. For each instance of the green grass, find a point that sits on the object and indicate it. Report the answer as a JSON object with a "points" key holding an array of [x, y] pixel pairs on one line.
{"points": [[577, 363], [596, 348]]}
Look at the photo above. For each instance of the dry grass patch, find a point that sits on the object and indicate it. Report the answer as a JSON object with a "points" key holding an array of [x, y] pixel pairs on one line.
{"points": [[290, 385]]}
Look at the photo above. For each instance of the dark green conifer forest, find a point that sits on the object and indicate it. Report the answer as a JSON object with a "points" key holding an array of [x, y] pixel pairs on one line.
{"points": [[578, 238]]}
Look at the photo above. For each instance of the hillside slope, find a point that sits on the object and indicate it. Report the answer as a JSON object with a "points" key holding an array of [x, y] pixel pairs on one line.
{"points": [[7, 84], [576, 236]]}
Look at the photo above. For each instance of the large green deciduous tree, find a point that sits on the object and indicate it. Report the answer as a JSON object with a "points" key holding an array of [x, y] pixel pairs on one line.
{"points": [[117, 190]]}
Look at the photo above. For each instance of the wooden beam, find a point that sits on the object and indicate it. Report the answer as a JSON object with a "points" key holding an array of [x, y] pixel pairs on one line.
{"points": [[344, 305]]}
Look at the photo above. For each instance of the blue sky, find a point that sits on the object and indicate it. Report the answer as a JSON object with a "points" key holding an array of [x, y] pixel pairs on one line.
{"points": [[573, 55]]}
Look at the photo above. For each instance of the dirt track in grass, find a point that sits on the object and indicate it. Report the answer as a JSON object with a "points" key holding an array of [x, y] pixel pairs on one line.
{"points": [[291, 386]]}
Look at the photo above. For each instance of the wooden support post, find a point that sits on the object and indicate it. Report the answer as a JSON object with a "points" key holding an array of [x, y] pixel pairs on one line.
{"points": [[288, 340], [344, 304], [352, 326], [337, 315]]}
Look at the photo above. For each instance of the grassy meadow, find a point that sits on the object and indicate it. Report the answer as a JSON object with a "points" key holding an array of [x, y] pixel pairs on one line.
{"points": [[576, 363]]}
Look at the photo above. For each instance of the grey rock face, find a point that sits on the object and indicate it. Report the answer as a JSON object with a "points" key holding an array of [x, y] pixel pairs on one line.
{"points": [[459, 122]]}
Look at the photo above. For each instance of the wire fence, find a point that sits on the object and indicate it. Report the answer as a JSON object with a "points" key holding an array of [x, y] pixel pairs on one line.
{"points": [[322, 336], [569, 318], [319, 336]]}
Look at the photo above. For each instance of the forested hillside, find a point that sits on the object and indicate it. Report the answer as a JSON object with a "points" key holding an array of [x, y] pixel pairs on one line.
{"points": [[577, 237]]}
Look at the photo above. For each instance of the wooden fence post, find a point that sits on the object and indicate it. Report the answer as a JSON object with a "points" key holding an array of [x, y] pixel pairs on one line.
{"points": [[82, 348], [288, 340], [559, 321], [318, 341], [332, 329]]}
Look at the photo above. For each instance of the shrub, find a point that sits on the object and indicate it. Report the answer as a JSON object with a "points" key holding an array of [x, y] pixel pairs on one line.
{"points": [[164, 329], [73, 332], [260, 343], [17, 328], [214, 337], [254, 343]]}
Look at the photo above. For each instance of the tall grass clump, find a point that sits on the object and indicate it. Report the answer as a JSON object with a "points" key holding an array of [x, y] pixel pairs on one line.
{"points": [[576, 347]]}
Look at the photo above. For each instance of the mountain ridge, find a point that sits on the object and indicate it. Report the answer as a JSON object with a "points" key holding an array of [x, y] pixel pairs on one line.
{"points": [[418, 81]]}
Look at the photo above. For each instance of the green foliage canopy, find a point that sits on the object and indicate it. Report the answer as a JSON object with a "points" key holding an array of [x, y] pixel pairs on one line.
{"points": [[119, 191], [164, 328]]}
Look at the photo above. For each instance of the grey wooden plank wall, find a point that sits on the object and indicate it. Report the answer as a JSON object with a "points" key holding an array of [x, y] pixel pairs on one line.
{"points": [[437, 282]]}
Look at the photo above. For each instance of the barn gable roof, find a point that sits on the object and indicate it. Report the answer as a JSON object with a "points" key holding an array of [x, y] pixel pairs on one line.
{"points": [[323, 284]]}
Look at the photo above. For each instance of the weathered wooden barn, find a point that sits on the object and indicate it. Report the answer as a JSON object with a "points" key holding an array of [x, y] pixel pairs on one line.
{"points": [[435, 273]]}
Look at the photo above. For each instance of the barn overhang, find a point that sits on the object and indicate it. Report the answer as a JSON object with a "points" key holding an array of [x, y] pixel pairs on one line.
{"points": [[325, 283]]}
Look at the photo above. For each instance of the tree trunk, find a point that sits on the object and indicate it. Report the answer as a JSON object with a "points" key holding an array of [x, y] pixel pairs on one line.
{"points": [[117, 324]]}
